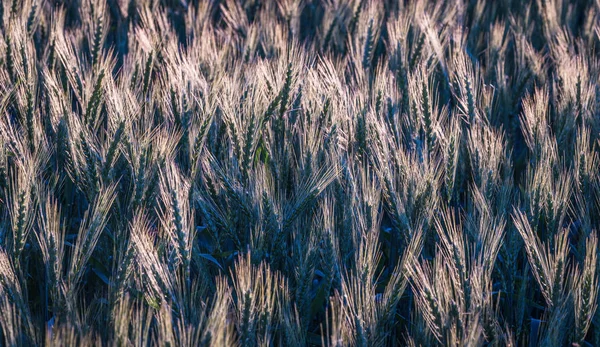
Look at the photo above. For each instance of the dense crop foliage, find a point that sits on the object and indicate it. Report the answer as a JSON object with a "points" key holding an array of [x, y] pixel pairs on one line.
{"points": [[299, 172]]}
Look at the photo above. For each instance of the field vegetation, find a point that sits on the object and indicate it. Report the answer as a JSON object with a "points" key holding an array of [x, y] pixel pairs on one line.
{"points": [[299, 173]]}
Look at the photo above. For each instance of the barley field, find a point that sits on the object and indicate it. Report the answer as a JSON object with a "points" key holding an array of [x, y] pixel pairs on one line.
{"points": [[299, 173]]}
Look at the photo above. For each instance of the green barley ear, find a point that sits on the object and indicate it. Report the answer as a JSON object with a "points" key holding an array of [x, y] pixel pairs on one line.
{"points": [[470, 100], [308, 165], [329, 35], [427, 121], [97, 42], [270, 111], [246, 327], [308, 194], [20, 208], [140, 180], [269, 220], [123, 274], [51, 240], [15, 315], [586, 294], [78, 81], [354, 21], [186, 118], [24, 61], [112, 150], [549, 264], [14, 8], [359, 332], [233, 194], [296, 107], [325, 113], [305, 274], [198, 143], [10, 59], [180, 233], [148, 74], [31, 19], [284, 94], [361, 133], [149, 195], [91, 227], [329, 271], [63, 147], [20, 227], [452, 160], [91, 170], [134, 76], [284, 98], [29, 119], [95, 100], [47, 121], [582, 177], [379, 103], [248, 147], [235, 140], [369, 43], [402, 76], [417, 51], [397, 284], [175, 107]]}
